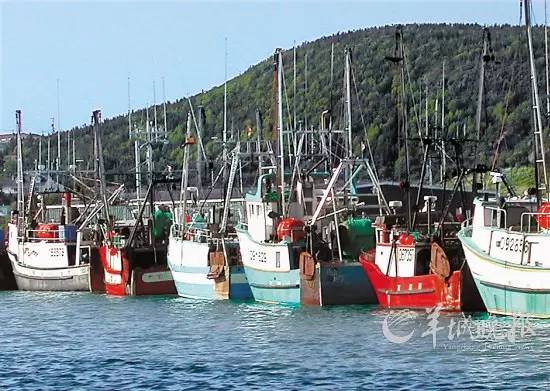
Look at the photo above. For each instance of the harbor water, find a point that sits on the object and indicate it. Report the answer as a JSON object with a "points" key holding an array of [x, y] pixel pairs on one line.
{"points": [[84, 341]]}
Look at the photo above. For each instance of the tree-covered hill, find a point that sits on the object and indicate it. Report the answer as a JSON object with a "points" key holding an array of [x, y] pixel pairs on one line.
{"points": [[427, 47]]}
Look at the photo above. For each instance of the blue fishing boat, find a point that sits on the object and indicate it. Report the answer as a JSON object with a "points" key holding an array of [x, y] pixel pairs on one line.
{"points": [[291, 246], [203, 255]]}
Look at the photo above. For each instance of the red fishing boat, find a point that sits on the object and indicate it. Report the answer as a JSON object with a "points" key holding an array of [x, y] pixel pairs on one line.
{"points": [[134, 257], [414, 271], [136, 271]]}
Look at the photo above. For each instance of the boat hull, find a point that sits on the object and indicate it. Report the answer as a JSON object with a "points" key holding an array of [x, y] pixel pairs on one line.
{"points": [[193, 283], [7, 279], [274, 287], [422, 292], [124, 279], [336, 283], [271, 270], [189, 262], [508, 288], [72, 278]]}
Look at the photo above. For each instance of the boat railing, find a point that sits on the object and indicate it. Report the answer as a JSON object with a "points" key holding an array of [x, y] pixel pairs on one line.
{"points": [[466, 223], [530, 216], [496, 217], [200, 235], [44, 235]]}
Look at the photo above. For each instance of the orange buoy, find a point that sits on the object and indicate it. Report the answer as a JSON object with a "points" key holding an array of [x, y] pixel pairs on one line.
{"points": [[544, 219], [291, 228], [406, 239], [47, 231]]}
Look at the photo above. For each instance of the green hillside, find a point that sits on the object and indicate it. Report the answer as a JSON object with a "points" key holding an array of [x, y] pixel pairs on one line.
{"points": [[427, 47]]}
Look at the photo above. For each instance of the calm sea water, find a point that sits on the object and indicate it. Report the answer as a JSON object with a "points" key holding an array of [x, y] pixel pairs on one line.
{"points": [[74, 341]]}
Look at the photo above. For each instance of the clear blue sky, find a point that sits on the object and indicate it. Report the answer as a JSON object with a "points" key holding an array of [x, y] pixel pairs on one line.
{"points": [[92, 47]]}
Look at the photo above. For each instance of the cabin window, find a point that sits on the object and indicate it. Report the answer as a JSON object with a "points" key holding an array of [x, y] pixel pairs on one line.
{"points": [[258, 210], [277, 259]]}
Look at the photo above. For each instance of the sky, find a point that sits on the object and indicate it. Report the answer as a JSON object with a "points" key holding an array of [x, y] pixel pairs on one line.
{"points": [[90, 48]]}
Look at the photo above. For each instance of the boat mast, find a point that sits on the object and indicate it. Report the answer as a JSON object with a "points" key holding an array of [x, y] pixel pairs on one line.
{"points": [[259, 135], [280, 129], [58, 160], [49, 161], [294, 89], [20, 190], [442, 135], [185, 173], [546, 61], [430, 176], [485, 58], [149, 152], [40, 152], [155, 132], [164, 108], [224, 136], [541, 178], [349, 146], [481, 86], [100, 174]]}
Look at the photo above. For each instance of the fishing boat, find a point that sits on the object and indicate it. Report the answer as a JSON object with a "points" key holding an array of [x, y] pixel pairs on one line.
{"points": [[505, 242], [418, 262], [203, 255], [287, 244], [133, 253], [414, 270], [46, 255]]}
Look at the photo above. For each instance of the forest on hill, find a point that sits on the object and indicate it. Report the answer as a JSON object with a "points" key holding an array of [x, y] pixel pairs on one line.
{"points": [[428, 47]]}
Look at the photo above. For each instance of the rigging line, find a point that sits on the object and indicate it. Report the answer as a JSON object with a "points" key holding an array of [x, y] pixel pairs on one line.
{"points": [[496, 153], [363, 122], [287, 100], [416, 116]]}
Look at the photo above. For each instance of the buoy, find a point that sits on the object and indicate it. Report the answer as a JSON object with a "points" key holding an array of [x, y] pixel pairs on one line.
{"points": [[406, 239], [291, 228], [544, 219]]}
